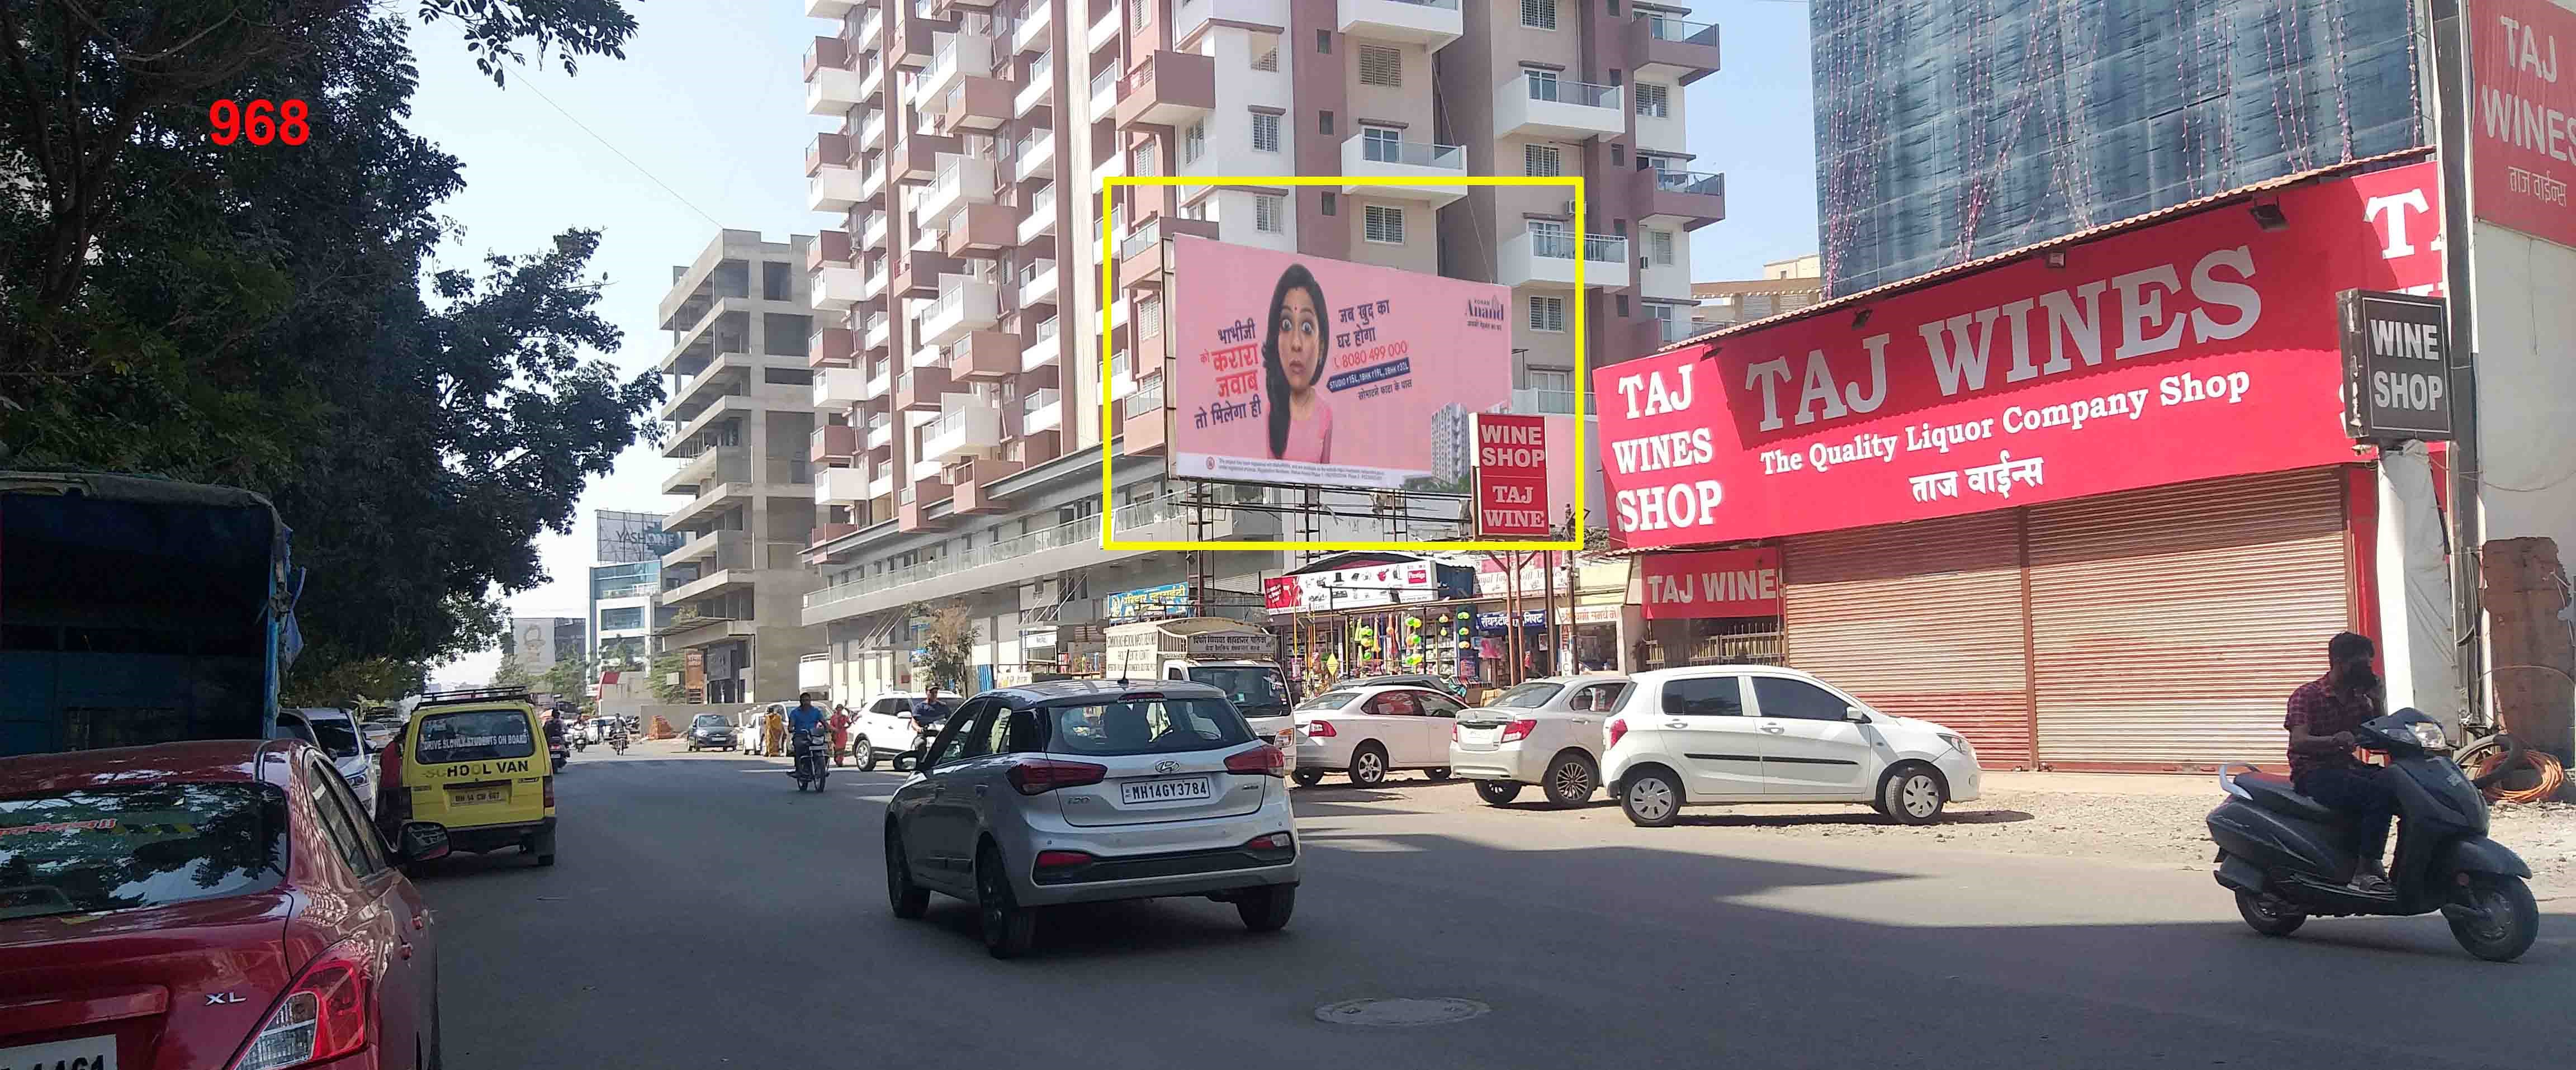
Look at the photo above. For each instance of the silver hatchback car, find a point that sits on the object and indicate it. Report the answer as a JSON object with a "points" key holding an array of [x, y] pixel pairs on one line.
{"points": [[1079, 791]]}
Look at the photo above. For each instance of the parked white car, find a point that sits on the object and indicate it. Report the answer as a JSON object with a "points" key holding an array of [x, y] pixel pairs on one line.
{"points": [[1546, 732], [1368, 732], [1760, 734], [336, 732], [895, 722]]}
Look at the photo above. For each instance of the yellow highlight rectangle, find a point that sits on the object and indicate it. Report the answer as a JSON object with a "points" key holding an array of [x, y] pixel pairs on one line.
{"points": [[1108, 258]]}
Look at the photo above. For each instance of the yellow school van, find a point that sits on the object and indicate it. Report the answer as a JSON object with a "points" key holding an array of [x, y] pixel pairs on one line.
{"points": [[475, 762]]}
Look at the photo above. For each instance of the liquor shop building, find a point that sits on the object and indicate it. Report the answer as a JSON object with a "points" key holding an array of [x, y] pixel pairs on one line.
{"points": [[2093, 504]]}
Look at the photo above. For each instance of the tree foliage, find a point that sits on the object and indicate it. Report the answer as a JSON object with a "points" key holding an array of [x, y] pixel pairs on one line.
{"points": [[947, 651], [668, 685], [260, 318]]}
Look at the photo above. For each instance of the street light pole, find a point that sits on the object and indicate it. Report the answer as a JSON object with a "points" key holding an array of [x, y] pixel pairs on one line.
{"points": [[2451, 97]]}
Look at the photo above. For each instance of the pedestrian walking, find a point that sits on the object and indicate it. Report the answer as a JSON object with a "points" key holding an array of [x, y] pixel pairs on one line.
{"points": [[774, 733], [840, 732]]}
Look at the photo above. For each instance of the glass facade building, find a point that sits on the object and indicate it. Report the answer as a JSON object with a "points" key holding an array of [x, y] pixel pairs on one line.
{"points": [[1947, 130]]}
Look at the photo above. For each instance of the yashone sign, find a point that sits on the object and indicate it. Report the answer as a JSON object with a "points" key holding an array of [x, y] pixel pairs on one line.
{"points": [[2199, 347]]}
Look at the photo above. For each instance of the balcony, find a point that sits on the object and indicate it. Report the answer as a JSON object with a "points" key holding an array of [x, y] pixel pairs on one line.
{"points": [[1142, 256], [917, 271], [1040, 220], [829, 247], [827, 148], [1041, 410], [832, 188], [832, 442], [1031, 36], [1102, 31], [880, 433], [825, 533], [915, 38], [871, 30], [1122, 372], [1071, 545], [872, 230], [1045, 351], [982, 230], [1423, 22], [959, 180], [927, 357], [1035, 153], [918, 160], [1037, 283], [958, 54], [1167, 89], [840, 486], [872, 130], [926, 481], [837, 288], [830, 88], [1039, 89], [920, 389], [828, 9], [1698, 198], [878, 333], [1365, 158], [714, 465], [976, 103], [1104, 93], [837, 387], [965, 303], [970, 484], [1144, 427], [1553, 108], [880, 480], [871, 79], [1547, 258], [1530, 402], [874, 286], [872, 185], [880, 380], [1662, 41], [960, 431], [984, 356], [831, 347], [725, 376]]}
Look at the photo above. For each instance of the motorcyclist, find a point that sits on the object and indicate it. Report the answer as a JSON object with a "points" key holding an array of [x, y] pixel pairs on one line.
{"points": [[554, 730], [617, 732], [804, 719], [2322, 716]]}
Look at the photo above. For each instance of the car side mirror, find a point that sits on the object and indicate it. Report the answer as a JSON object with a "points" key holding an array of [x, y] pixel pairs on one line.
{"points": [[421, 841], [1855, 715], [905, 763]]}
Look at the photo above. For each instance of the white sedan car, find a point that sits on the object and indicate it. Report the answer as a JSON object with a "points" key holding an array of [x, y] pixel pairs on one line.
{"points": [[1760, 734], [1546, 732], [1368, 732]]}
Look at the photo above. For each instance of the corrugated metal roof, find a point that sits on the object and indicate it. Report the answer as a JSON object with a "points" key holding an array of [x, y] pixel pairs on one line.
{"points": [[2077, 238]]}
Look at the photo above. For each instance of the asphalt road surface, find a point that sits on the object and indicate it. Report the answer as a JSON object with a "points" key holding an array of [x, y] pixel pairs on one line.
{"points": [[704, 913]]}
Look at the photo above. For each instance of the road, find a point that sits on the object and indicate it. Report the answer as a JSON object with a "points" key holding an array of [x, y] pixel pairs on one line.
{"points": [[704, 913]]}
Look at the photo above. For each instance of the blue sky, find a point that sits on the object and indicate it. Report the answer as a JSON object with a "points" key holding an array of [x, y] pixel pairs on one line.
{"points": [[708, 113]]}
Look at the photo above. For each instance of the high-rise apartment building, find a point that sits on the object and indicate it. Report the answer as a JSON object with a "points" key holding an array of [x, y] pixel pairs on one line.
{"points": [[956, 357], [1946, 130], [741, 416]]}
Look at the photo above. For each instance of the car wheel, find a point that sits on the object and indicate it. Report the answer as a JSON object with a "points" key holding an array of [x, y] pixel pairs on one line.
{"points": [[1368, 765], [909, 900], [1436, 775], [1912, 795], [1570, 781], [1307, 778], [1651, 798], [1498, 792], [867, 755], [1009, 928], [1266, 909]]}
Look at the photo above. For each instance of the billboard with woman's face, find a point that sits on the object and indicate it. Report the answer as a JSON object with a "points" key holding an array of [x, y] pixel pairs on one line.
{"points": [[1302, 370]]}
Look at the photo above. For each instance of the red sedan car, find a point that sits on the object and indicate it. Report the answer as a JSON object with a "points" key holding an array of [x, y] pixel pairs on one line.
{"points": [[208, 905]]}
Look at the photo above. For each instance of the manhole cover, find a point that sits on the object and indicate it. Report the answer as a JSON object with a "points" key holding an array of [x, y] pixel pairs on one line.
{"points": [[1399, 1011]]}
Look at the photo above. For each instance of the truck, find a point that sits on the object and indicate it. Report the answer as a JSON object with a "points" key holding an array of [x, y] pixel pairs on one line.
{"points": [[1229, 655], [137, 611]]}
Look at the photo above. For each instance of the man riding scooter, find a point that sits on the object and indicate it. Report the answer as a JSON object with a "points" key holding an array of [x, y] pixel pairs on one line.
{"points": [[2324, 712]]}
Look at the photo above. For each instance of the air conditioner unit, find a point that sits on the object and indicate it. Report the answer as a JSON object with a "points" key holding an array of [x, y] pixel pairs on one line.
{"points": [[1569, 207]]}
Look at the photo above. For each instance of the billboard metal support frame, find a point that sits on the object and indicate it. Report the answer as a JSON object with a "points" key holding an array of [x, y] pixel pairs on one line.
{"points": [[2450, 81]]}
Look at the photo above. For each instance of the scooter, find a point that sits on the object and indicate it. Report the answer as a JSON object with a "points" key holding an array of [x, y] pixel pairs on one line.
{"points": [[2287, 857], [810, 750], [556, 749]]}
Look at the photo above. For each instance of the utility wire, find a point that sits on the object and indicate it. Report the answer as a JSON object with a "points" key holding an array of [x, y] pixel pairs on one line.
{"points": [[604, 143]]}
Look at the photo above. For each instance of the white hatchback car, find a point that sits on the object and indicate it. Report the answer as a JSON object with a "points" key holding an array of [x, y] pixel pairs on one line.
{"points": [[894, 723], [1545, 732], [1760, 734], [1370, 731]]}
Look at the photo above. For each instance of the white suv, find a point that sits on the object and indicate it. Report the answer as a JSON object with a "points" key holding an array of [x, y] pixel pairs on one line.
{"points": [[1545, 732], [1759, 734], [895, 722]]}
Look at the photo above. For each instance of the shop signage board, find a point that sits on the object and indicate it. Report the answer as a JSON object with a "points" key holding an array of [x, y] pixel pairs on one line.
{"points": [[2396, 359], [2522, 152], [1162, 600], [1352, 588], [1712, 583], [2196, 347], [1511, 475]]}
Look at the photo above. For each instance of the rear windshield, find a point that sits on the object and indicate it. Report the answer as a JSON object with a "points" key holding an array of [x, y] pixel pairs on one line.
{"points": [[1529, 696], [338, 737], [1149, 726], [474, 736], [712, 720], [1329, 700], [93, 849], [1247, 686]]}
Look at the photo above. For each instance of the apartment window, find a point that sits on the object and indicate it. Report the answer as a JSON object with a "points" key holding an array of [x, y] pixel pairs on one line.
{"points": [[1556, 379], [1618, 155], [1545, 161], [774, 282], [1265, 52], [1381, 144], [1324, 41], [1542, 84], [1329, 202], [1654, 101], [1195, 210], [1547, 314], [1381, 65], [1145, 162], [1265, 131], [1324, 123], [1266, 212], [1623, 306], [1614, 7], [1139, 9], [1149, 317], [1659, 247], [1538, 14], [1385, 224], [1194, 143]]}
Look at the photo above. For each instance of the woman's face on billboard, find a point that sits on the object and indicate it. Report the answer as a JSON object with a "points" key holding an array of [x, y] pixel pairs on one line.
{"points": [[1301, 333]]}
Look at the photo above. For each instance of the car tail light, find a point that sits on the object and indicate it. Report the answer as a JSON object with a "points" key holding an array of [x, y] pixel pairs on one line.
{"points": [[1037, 776], [1062, 859], [1618, 727], [1264, 760], [1319, 729], [550, 793], [1276, 841], [1519, 730], [323, 1017]]}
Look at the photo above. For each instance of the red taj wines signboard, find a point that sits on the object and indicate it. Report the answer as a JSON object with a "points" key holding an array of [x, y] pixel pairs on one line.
{"points": [[1511, 475], [2199, 347], [2523, 151], [1712, 583]]}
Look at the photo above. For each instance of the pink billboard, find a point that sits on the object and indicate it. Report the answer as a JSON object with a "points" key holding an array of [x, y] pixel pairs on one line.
{"points": [[1302, 370]]}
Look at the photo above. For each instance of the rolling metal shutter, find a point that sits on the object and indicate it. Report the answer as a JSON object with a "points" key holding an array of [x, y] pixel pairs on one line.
{"points": [[2169, 626], [1919, 620]]}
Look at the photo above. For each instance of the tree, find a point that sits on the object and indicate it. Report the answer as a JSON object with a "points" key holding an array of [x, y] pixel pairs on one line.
{"points": [[512, 674], [353, 684], [667, 683], [947, 651], [258, 318], [570, 677]]}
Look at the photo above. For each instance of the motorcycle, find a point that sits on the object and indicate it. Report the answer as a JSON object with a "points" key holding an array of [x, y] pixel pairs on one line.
{"points": [[557, 750], [2288, 858], [812, 751], [618, 743]]}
